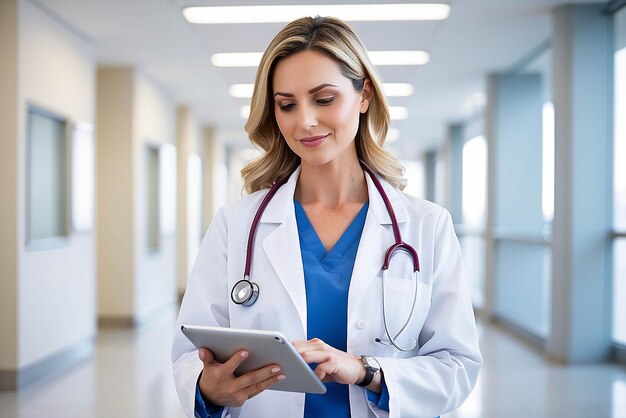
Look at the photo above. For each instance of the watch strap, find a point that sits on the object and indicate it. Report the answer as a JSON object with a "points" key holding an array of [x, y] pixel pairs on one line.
{"points": [[369, 375]]}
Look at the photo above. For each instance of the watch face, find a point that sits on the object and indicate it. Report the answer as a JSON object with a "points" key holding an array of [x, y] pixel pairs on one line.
{"points": [[372, 363]]}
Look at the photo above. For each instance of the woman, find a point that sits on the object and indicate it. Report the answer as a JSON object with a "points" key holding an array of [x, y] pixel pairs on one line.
{"points": [[408, 350]]}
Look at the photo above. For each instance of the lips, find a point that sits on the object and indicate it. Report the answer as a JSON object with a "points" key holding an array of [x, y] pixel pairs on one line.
{"points": [[313, 141]]}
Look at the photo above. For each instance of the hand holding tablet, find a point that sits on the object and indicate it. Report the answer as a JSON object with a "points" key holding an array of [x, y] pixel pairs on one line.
{"points": [[267, 349]]}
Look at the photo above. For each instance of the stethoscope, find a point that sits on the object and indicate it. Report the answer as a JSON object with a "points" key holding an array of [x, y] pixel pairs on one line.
{"points": [[246, 292]]}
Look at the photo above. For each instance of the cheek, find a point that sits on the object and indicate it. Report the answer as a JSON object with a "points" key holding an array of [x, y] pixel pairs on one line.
{"points": [[345, 120], [283, 123]]}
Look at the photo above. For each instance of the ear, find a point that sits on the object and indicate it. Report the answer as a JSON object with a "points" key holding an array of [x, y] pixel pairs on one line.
{"points": [[366, 96]]}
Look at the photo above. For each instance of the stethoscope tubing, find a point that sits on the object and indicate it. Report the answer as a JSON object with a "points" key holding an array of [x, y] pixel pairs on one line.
{"points": [[246, 292]]}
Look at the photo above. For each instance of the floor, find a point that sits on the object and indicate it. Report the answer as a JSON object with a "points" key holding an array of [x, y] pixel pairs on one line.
{"points": [[129, 376]]}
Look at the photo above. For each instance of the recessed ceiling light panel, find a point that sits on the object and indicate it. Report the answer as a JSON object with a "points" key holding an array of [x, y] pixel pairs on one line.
{"points": [[236, 59], [287, 13], [398, 89], [241, 90]]}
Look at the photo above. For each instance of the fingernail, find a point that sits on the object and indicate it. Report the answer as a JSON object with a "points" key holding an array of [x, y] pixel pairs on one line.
{"points": [[201, 355], [244, 354], [275, 369], [281, 377]]}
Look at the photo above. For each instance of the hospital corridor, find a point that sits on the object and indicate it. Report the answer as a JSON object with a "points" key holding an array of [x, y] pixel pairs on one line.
{"points": [[122, 145]]}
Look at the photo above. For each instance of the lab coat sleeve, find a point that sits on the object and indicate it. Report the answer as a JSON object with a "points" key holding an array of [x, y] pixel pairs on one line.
{"points": [[204, 303], [446, 368]]}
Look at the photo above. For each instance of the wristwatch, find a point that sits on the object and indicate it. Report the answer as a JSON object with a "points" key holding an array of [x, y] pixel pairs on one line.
{"points": [[371, 368]]}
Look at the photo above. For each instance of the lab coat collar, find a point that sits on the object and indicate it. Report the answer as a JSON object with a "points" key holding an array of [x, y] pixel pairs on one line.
{"points": [[281, 204]]}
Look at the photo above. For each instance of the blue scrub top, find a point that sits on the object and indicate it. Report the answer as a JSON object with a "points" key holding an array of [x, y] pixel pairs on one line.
{"points": [[327, 280]]}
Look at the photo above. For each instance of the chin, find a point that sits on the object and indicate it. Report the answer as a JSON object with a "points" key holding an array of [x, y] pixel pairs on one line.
{"points": [[316, 161]]}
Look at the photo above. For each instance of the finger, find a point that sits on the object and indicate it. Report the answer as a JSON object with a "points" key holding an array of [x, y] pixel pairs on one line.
{"points": [[318, 345], [234, 361], [326, 369], [321, 374], [255, 377], [206, 356], [315, 356], [265, 384]]}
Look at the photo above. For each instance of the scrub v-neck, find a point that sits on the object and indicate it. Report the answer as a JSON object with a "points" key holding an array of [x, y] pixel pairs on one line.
{"points": [[327, 278], [309, 238]]}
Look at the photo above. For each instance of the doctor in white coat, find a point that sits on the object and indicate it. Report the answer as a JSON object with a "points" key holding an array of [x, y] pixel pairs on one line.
{"points": [[319, 113]]}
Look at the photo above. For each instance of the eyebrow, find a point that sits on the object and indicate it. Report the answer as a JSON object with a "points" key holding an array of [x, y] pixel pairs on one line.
{"points": [[313, 90]]}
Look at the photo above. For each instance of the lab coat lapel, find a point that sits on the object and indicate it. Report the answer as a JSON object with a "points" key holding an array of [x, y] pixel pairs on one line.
{"points": [[282, 245], [375, 240]]}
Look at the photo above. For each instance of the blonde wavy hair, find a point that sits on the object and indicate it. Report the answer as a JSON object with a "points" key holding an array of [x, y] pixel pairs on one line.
{"points": [[336, 39]]}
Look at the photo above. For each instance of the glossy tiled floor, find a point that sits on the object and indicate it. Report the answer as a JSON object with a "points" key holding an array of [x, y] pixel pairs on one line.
{"points": [[129, 376]]}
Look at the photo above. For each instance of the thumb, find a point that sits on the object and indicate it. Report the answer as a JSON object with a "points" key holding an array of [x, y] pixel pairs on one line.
{"points": [[206, 356]]}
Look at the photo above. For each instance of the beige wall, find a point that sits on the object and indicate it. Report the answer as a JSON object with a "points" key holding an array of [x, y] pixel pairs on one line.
{"points": [[133, 111], [189, 139], [56, 287], [184, 124], [8, 183], [115, 192]]}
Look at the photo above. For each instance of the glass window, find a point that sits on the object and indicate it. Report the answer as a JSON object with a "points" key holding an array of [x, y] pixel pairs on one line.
{"points": [[83, 177], [416, 182], [440, 180], [152, 199], [548, 162], [474, 181], [167, 189], [48, 178], [619, 199], [474, 194], [194, 208], [620, 141]]}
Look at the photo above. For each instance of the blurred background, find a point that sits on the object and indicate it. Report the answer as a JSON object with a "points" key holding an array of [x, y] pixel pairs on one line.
{"points": [[121, 134]]}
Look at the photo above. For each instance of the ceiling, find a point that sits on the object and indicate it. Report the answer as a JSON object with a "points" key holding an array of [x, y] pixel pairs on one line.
{"points": [[479, 37]]}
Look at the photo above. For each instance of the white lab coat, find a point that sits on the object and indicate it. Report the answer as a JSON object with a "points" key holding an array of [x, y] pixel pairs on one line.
{"points": [[436, 377]]}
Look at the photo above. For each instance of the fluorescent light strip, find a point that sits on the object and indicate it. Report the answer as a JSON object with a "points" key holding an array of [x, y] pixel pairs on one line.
{"points": [[379, 58], [241, 90], [391, 89], [398, 89], [287, 13], [236, 59]]}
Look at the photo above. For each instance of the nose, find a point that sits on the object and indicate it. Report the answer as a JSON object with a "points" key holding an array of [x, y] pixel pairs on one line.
{"points": [[307, 117]]}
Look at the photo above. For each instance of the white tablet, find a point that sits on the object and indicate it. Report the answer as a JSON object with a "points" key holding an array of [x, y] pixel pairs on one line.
{"points": [[265, 348]]}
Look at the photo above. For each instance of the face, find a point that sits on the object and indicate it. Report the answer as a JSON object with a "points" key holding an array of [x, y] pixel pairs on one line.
{"points": [[317, 108]]}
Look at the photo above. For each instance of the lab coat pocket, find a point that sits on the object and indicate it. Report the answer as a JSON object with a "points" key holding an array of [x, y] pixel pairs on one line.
{"points": [[405, 312]]}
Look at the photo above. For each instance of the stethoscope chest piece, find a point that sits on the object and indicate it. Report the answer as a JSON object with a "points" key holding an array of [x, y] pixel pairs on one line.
{"points": [[245, 292]]}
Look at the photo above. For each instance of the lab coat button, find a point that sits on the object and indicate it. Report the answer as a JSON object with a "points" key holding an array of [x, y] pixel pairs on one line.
{"points": [[361, 323]]}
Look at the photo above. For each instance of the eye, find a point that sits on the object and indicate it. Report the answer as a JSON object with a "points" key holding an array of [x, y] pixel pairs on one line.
{"points": [[325, 101], [286, 107]]}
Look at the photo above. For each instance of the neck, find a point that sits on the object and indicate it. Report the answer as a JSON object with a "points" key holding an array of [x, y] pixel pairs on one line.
{"points": [[333, 184]]}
